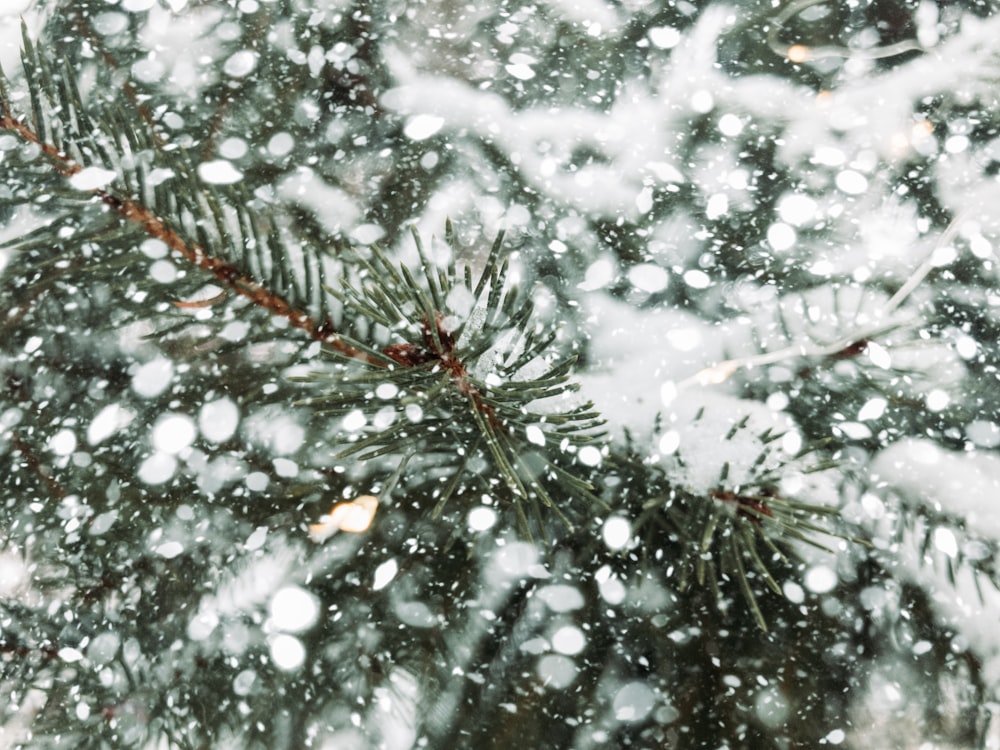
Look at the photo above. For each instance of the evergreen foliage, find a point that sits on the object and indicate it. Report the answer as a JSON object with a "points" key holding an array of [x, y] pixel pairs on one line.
{"points": [[288, 470]]}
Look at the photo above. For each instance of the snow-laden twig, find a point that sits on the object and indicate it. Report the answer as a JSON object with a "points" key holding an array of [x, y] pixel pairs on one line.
{"points": [[856, 340]]}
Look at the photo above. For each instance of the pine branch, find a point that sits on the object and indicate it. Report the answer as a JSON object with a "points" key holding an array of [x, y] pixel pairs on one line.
{"points": [[471, 360], [224, 271]]}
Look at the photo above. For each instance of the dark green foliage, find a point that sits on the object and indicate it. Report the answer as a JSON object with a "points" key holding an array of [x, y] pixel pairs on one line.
{"points": [[196, 367]]}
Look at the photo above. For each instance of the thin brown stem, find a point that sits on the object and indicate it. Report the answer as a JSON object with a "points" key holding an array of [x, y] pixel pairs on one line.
{"points": [[227, 274]]}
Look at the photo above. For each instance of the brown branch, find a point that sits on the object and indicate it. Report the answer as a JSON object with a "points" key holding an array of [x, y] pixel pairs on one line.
{"points": [[227, 274], [438, 347]]}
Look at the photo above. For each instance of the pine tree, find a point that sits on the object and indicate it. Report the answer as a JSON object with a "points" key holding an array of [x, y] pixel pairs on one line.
{"points": [[561, 375]]}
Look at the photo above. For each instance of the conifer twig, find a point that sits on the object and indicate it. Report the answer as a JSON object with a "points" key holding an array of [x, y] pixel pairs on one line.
{"points": [[226, 273]]}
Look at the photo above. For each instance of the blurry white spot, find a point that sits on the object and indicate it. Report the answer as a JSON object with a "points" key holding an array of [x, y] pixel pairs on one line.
{"points": [[791, 443], [937, 400], [702, 101], [633, 702], [561, 597], [829, 156], [612, 590], [240, 63], [820, 579], [556, 671], [669, 442], [873, 409], [956, 144], [105, 24], [821, 268], [771, 707], [108, 421], [644, 200], [922, 647], [854, 430], [384, 573], [287, 652], [386, 390], [851, 182], [617, 532], [835, 737], [148, 70], [684, 339], [219, 172], [235, 330], [983, 433], [92, 178], [777, 401], [169, 550], [793, 592], [568, 640], [697, 279], [665, 172], [600, 273], [413, 412], [520, 71], [202, 625], [966, 347], [368, 234], [154, 249], [429, 160], [589, 456], [157, 469], [535, 435], [32, 344], [460, 301], [980, 246], [384, 417], [738, 179], [158, 176], [872, 505], [796, 209], [70, 654], [879, 355], [138, 6], [243, 682], [280, 144], [172, 433], [163, 272], [354, 421], [100, 524], [257, 481], [256, 539], [668, 392], [535, 646], [422, 126], [648, 277], [63, 442], [103, 648], [14, 573], [415, 614], [516, 558], [664, 37], [943, 256], [780, 236], [217, 420], [482, 518], [293, 609], [233, 148], [944, 541], [718, 205], [730, 124], [285, 467]]}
